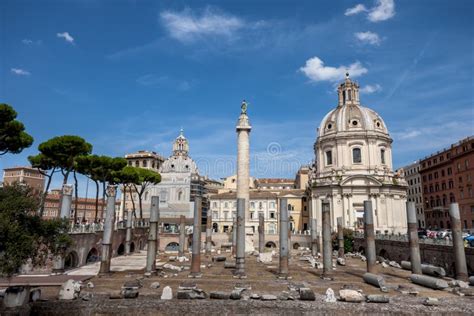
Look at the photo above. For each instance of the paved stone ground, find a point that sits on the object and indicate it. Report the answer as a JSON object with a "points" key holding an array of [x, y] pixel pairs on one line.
{"points": [[262, 279]]}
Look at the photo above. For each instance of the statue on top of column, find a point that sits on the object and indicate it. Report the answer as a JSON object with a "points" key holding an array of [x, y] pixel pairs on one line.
{"points": [[243, 107]]}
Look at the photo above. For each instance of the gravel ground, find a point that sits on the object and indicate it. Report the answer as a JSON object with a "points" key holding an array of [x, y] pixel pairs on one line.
{"points": [[262, 279]]}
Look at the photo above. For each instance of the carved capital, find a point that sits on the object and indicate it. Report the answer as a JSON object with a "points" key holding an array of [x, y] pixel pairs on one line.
{"points": [[111, 190], [67, 189]]}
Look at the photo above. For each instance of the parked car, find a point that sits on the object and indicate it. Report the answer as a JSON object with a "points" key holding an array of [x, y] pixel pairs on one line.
{"points": [[470, 240]]}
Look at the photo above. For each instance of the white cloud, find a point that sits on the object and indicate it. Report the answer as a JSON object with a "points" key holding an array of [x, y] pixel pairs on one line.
{"points": [[67, 37], [315, 70], [20, 72], [187, 26], [368, 37], [384, 10], [28, 41], [355, 10], [368, 89]]}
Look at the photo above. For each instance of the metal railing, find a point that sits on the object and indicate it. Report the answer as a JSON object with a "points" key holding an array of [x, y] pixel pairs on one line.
{"points": [[99, 227], [404, 238]]}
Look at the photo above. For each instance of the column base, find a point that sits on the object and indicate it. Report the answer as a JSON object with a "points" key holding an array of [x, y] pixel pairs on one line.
{"points": [[284, 277], [149, 274], [195, 275]]}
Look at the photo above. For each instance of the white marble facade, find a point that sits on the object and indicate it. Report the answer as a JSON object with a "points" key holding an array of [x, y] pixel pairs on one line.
{"points": [[353, 163], [174, 189]]}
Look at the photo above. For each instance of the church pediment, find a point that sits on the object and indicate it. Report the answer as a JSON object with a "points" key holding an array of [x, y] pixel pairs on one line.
{"points": [[361, 180]]}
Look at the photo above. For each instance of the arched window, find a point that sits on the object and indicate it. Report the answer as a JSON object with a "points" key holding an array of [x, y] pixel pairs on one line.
{"points": [[382, 156], [260, 205], [180, 195], [289, 207], [226, 205], [356, 155]]}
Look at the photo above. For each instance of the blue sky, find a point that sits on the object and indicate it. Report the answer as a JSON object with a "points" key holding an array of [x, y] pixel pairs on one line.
{"points": [[127, 75]]}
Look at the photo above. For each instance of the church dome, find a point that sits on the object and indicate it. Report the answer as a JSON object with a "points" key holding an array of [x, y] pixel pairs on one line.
{"points": [[180, 160], [179, 164], [349, 115]]}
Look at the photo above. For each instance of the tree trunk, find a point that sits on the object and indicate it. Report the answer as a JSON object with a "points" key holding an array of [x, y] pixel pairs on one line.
{"points": [[76, 201], [96, 200], [133, 202], [103, 199], [45, 193], [139, 192]]}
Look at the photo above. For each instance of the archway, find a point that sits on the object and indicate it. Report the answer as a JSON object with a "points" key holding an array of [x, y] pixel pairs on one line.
{"points": [[384, 254], [132, 247], [296, 246], [121, 250], [172, 246], [71, 261], [92, 256], [270, 244]]}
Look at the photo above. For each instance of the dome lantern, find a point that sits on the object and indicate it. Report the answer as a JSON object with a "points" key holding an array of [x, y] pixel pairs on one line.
{"points": [[348, 92]]}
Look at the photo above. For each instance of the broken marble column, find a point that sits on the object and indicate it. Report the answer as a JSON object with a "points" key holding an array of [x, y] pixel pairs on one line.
{"points": [[327, 240], [243, 129], [128, 233], [369, 236], [314, 237], [427, 281], [182, 235], [340, 238], [413, 238], [196, 251], [283, 228], [261, 233], [208, 232], [152, 236], [66, 201], [106, 256], [375, 280], [458, 245]]}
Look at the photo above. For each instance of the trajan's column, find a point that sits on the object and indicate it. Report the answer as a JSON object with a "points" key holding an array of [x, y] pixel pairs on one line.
{"points": [[243, 162]]}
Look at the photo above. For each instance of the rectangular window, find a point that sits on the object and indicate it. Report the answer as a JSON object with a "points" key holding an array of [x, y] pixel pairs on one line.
{"points": [[382, 156], [272, 215], [450, 171], [356, 155], [328, 157]]}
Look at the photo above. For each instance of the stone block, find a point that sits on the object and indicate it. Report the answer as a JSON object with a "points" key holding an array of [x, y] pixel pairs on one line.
{"points": [[351, 296], [167, 293], [268, 297], [70, 290], [218, 295], [307, 294], [377, 298], [155, 285], [219, 258], [265, 257], [35, 294], [16, 296], [330, 297], [431, 301]]}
